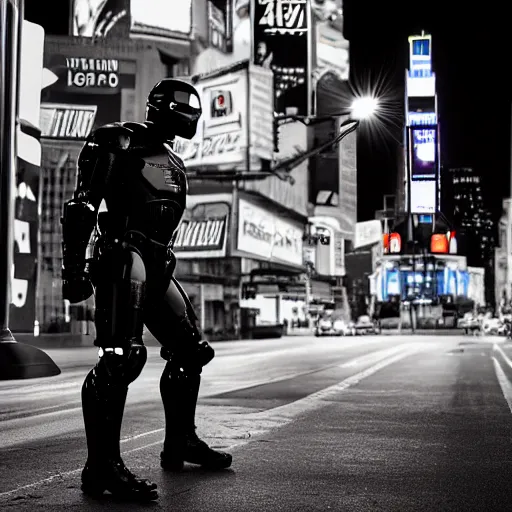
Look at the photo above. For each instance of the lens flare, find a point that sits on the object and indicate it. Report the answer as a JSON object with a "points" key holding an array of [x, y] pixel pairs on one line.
{"points": [[378, 102]]}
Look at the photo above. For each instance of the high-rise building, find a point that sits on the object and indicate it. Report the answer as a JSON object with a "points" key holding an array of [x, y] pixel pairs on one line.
{"points": [[464, 204]]}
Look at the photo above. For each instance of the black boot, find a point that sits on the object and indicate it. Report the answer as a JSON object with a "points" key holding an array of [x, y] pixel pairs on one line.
{"points": [[179, 395], [103, 405]]}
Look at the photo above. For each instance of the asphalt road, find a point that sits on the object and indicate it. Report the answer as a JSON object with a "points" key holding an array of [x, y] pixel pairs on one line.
{"points": [[345, 424]]}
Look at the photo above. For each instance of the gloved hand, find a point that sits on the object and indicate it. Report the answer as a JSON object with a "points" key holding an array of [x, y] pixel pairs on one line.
{"points": [[76, 285]]}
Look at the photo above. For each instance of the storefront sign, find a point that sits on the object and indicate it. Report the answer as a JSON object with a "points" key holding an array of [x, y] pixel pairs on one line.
{"points": [[265, 234], [201, 235], [281, 34], [203, 231], [59, 121], [84, 72]]}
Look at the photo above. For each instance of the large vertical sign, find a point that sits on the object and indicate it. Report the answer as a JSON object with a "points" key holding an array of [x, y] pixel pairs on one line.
{"points": [[422, 139], [423, 166], [24, 270], [281, 42]]}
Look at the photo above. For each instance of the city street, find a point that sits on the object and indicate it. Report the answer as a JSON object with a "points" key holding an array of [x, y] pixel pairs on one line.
{"points": [[398, 423]]}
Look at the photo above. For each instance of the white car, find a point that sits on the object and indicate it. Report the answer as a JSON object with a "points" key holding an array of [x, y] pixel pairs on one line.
{"points": [[493, 326], [364, 325], [324, 327], [341, 328]]}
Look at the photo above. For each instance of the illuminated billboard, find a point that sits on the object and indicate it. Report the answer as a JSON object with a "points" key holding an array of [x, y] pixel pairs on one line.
{"points": [[96, 18], [420, 56], [423, 143], [161, 17], [237, 120], [281, 42], [423, 196]]}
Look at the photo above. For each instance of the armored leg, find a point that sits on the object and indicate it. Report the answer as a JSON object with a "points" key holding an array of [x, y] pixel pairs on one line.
{"points": [[173, 324], [119, 324]]}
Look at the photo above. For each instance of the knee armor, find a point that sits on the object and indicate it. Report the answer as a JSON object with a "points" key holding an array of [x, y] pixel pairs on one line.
{"points": [[122, 366], [194, 355]]}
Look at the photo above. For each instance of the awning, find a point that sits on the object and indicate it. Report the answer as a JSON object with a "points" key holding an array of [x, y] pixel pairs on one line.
{"points": [[174, 51]]}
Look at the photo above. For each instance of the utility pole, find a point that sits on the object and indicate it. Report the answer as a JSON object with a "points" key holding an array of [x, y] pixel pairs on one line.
{"points": [[17, 360]]}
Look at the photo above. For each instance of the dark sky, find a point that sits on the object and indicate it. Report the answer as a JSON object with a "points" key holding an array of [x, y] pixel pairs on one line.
{"points": [[472, 61]]}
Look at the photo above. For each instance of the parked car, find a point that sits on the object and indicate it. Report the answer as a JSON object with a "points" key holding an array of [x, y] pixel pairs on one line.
{"points": [[342, 328], [493, 326], [364, 325], [324, 327], [469, 323]]}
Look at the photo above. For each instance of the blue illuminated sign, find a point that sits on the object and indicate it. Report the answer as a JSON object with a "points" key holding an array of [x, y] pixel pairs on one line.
{"points": [[421, 47], [424, 153], [420, 57], [422, 118]]}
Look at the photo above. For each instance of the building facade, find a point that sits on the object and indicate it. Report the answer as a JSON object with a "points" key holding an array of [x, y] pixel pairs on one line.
{"points": [[503, 256], [464, 204], [100, 69]]}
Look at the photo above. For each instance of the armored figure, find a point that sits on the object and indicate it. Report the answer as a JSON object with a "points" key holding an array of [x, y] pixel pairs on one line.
{"points": [[133, 168]]}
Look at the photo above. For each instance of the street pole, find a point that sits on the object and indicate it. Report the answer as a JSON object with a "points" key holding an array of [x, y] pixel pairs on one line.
{"points": [[410, 224], [17, 360]]}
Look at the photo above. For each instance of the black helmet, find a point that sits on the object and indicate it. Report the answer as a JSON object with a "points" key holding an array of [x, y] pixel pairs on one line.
{"points": [[175, 107]]}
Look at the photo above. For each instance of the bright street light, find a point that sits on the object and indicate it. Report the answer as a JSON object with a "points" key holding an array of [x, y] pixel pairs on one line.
{"points": [[364, 107]]}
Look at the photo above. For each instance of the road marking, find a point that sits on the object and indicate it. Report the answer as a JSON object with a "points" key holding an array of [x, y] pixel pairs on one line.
{"points": [[61, 476], [275, 418], [374, 356], [506, 387], [502, 352], [311, 402]]}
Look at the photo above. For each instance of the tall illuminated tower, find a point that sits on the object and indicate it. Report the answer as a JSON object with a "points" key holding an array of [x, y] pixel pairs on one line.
{"points": [[422, 162]]}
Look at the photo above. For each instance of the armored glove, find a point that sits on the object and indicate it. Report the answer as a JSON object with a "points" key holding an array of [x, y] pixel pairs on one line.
{"points": [[76, 284]]}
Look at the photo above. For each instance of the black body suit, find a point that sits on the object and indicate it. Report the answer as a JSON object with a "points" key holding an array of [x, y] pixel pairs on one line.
{"points": [[143, 182]]}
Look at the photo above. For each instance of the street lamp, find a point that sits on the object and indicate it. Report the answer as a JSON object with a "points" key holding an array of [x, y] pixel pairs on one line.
{"points": [[363, 108]]}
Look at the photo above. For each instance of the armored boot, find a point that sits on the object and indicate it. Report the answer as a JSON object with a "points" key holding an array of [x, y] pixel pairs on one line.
{"points": [[179, 395], [103, 407]]}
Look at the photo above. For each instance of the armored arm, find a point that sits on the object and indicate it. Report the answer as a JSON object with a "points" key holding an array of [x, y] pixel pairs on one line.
{"points": [[97, 165]]}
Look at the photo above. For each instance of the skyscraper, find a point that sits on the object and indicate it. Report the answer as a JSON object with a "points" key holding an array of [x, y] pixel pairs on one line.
{"points": [[463, 203]]}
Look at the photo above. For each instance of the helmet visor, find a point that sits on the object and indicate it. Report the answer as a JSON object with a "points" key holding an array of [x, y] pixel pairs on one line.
{"points": [[186, 98]]}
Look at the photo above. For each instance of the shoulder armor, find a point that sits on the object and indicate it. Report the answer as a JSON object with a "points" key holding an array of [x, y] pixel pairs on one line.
{"points": [[112, 137]]}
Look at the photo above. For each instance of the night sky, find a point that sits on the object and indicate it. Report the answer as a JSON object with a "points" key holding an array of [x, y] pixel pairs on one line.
{"points": [[472, 61]]}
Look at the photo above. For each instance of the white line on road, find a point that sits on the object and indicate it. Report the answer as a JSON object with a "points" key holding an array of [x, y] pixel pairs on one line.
{"points": [[497, 348], [273, 418], [506, 387], [375, 356], [60, 476], [313, 401]]}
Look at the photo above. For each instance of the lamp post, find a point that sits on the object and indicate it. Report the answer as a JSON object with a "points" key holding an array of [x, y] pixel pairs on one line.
{"points": [[361, 110], [17, 360]]}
